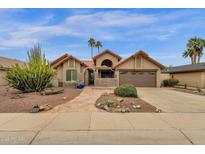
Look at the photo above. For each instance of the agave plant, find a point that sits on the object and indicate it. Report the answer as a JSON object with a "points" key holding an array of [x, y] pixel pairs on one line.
{"points": [[35, 75]]}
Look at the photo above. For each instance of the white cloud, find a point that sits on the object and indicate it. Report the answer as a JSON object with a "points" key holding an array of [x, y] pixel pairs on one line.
{"points": [[101, 25], [111, 18]]}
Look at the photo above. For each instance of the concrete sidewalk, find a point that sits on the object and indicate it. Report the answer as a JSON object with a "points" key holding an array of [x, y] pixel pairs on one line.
{"points": [[102, 128]]}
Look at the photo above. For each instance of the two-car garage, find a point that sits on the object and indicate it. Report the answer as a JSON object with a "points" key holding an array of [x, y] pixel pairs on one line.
{"points": [[138, 78]]}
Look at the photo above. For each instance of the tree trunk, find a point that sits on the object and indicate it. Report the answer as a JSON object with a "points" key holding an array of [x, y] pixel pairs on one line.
{"points": [[199, 58], [91, 52], [194, 56], [192, 60], [98, 50], [199, 55]]}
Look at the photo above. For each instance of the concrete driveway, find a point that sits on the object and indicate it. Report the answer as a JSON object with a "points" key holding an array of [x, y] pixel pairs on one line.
{"points": [[169, 100]]}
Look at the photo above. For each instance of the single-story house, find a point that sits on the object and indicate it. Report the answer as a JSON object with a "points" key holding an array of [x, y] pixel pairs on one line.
{"points": [[5, 64], [107, 69], [192, 75]]}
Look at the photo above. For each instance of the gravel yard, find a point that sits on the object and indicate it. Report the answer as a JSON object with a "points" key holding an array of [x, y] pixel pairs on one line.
{"points": [[14, 101]]}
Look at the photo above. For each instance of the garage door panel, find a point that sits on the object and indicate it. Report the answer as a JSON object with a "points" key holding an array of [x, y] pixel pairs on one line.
{"points": [[139, 79]]}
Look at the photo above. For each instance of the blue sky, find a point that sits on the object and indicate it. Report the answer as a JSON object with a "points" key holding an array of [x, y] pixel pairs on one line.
{"points": [[162, 33]]}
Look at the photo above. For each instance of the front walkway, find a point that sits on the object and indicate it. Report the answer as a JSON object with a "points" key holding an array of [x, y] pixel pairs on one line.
{"points": [[102, 128], [85, 102]]}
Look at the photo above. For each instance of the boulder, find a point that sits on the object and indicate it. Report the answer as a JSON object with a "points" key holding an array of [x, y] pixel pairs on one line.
{"points": [[106, 108], [52, 91], [35, 109], [120, 99]]}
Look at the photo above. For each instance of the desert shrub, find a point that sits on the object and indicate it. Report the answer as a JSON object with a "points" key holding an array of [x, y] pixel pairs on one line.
{"points": [[35, 75], [170, 82], [108, 102], [126, 90]]}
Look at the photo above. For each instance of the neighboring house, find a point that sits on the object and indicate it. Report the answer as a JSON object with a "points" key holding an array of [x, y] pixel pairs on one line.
{"points": [[107, 69], [5, 64], [192, 75]]}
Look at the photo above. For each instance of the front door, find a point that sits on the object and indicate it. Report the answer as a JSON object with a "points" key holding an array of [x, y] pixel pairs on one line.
{"points": [[90, 77]]}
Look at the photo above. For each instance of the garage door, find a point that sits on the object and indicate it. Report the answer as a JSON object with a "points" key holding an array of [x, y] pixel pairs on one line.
{"points": [[138, 78]]}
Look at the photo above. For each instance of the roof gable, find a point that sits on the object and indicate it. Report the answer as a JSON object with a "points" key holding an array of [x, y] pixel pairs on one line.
{"points": [[63, 59], [144, 55], [104, 52]]}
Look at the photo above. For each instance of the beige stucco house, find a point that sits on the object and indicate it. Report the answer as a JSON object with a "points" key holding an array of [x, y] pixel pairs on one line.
{"points": [[5, 64], [192, 75], [107, 69]]}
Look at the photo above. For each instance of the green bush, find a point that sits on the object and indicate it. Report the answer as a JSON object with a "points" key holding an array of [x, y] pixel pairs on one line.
{"points": [[170, 82], [35, 75], [126, 90], [108, 102]]}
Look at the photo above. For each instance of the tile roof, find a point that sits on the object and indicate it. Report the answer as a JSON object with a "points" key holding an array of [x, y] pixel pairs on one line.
{"points": [[186, 68]]}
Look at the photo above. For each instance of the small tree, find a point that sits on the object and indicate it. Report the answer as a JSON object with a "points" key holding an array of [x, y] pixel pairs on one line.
{"points": [[35, 75]]}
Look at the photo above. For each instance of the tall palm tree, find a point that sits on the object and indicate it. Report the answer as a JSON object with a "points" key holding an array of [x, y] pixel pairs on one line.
{"points": [[91, 43], [189, 53], [98, 45]]}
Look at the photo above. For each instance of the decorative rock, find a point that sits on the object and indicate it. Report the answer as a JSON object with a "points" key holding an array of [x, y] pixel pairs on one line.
{"points": [[138, 107], [120, 99], [64, 98], [106, 108], [35, 109], [98, 104], [127, 110], [158, 110], [45, 107], [123, 110], [134, 106], [118, 106], [117, 110]]}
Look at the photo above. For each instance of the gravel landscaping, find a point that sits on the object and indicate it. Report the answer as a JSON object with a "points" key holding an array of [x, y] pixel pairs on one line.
{"points": [[112, 103], [12, 100]]}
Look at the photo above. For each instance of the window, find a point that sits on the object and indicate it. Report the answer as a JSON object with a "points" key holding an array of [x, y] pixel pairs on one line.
{"points": [[71, 75], [107, 63]]}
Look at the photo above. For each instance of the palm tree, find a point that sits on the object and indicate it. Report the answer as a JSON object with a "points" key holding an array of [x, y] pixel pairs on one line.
{"points": [[200, 50], [91, 43], [189, 53], [98, 45], [196, 44]]}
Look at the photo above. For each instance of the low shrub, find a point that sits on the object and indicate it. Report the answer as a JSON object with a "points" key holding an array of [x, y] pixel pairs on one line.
{"points": [[108, 102], [170, 82], [126, 90]]}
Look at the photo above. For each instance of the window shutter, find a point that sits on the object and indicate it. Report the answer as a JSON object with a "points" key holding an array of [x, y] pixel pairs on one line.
{"points": [[68, 75], [74, 75]]}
